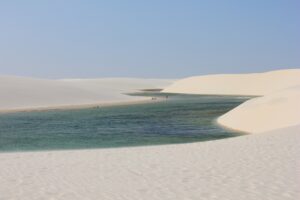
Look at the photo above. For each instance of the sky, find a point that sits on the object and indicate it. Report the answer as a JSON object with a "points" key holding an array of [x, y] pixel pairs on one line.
{"points": [[148, 39]]}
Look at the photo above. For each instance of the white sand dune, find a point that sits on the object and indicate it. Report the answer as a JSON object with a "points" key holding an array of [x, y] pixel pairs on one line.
{"points": [[251, 167], [28, 93], [256, 84]]}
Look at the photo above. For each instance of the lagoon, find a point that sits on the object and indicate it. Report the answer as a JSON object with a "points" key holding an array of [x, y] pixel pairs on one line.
{"points": [[177, 119]]}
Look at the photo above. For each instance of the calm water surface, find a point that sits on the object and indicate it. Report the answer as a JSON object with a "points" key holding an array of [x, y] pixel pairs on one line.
{"points": [[179, 119]]}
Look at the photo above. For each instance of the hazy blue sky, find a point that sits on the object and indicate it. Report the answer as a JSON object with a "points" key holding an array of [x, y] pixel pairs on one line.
{"points": [[154, 38]]}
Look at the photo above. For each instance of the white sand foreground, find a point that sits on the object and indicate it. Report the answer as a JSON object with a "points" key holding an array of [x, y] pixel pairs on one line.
{"points": [[264, 166]]}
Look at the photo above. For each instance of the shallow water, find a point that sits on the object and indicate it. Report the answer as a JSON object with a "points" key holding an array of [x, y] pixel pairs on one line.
{"points": [[179, 119]]}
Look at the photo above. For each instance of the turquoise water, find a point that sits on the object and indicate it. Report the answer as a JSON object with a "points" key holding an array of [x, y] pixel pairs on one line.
{"points": [[179, 119]]}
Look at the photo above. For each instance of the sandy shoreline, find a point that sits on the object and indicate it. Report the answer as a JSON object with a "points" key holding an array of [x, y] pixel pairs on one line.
{"points": [[81, 106], [136, 101]]}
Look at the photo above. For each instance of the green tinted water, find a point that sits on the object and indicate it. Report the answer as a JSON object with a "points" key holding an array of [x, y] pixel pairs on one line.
{"points": [[179, 119]]}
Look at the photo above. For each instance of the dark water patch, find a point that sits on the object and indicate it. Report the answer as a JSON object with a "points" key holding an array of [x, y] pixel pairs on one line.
{"points": [[177, 119]]}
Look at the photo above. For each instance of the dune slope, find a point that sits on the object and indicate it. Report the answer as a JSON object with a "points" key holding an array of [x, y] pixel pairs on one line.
{"points": [[277, 110], [256, 84]]}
